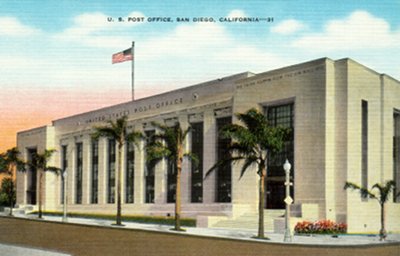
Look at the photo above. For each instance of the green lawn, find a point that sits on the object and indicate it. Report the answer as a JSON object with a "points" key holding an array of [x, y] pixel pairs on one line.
{"points": [[162, 220]]}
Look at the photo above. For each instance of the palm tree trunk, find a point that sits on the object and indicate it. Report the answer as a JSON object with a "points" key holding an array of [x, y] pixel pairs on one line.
{"points": [[382, 232], [261, 204], [178, 190], [11, 194], [40, 192], [118, 219]]}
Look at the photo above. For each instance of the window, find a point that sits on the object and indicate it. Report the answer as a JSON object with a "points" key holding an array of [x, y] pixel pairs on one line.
{"points": [[64, 165], [197, 171], [364, 145], [130, 172], [149, 173], [31, 178], [95, 172], [224, 179], [283, 116], [111, 172], [171, 181], [396, 153], [78, 173]]}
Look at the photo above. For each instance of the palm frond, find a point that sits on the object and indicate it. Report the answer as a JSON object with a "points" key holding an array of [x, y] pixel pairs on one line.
{"points": [[3, 164], [384, 190], [39, 161], [242, 149], [105, 131], [192, 158], [365, 193], [156, 151], [222, 163], [134, 137], [253, 120], [53, 169], [10, 160], [186, 132], [48, 153], [249, 161]]}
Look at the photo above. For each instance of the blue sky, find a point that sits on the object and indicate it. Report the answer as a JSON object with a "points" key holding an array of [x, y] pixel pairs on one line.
{"points": [[67, 45]]}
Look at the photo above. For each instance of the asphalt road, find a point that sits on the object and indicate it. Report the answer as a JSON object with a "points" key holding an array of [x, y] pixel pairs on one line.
{"points": [[80, 239]]}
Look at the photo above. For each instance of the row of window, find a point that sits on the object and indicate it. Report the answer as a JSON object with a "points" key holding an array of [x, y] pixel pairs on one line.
{"points": [[282, 115], [364, 148], [396, 153], [197, 147]]}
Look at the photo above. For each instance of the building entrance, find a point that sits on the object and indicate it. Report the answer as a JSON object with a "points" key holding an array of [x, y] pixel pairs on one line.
{"points": [[275, 194], [283, 116], [31, 179]]}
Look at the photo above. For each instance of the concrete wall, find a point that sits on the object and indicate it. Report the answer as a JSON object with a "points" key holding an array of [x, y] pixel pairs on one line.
{"points": [[40, 139], [382, 95], [305, 85], [204, 100], [327, 98]]}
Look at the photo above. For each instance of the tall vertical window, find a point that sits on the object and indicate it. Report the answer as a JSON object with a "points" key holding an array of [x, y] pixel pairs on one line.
{"points": [[31, 178], [149, 173], [111, 172], [171, 181], [130, 172], [224, 173], [396, 153], [197, 171], [78, 173], [283, 116], [95, 172], [64, 165], [364, 144]]}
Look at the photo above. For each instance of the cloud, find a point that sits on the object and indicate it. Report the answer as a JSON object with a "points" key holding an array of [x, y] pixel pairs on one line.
{"points": [[88, 29], [187, 41], [237, 14], [360, 30], [10, 62], [10, 26], [288, 27], [248, 58]]}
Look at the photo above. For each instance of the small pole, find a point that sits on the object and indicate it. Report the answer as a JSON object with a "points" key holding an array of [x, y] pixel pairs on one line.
{"points": [[288, 202], [65, 175]]}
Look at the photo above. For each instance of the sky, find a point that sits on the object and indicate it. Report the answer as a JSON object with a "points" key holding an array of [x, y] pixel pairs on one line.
{"points": [[55, 56]]}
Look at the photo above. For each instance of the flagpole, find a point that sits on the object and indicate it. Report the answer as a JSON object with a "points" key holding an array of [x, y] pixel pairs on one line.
{"points": [[133, 70]]}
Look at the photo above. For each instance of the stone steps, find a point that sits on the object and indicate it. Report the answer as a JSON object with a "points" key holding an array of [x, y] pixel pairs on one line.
{"points": [[250, 221], [20, 209]]}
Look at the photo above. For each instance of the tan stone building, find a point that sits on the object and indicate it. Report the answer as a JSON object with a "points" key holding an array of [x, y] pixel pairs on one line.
{"points": [[345, 121]]}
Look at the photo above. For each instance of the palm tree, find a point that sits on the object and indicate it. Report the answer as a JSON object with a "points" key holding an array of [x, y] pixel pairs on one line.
{"points": [[9, 162], [253, 143], [118, 131], [39, 162], [382, 197], [169, 144]]}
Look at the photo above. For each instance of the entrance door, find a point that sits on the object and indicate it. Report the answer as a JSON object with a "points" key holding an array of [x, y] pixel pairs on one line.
{"points": [[282, 116], [275, 194], [31, 179]]}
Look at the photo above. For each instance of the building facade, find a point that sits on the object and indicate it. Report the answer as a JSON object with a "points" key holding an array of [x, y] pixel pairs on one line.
{"points": [[345, 126]]}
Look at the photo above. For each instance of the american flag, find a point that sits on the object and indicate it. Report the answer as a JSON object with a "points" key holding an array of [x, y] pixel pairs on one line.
{"points": [[122, 56]]}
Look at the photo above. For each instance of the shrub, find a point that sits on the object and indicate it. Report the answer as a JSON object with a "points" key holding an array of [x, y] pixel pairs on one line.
{"points": [[7, 192], [320, 227]]}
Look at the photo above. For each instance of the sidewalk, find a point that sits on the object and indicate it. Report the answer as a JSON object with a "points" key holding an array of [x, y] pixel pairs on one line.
{"points": [[11, 250], [242, 234], [99, 237]]}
